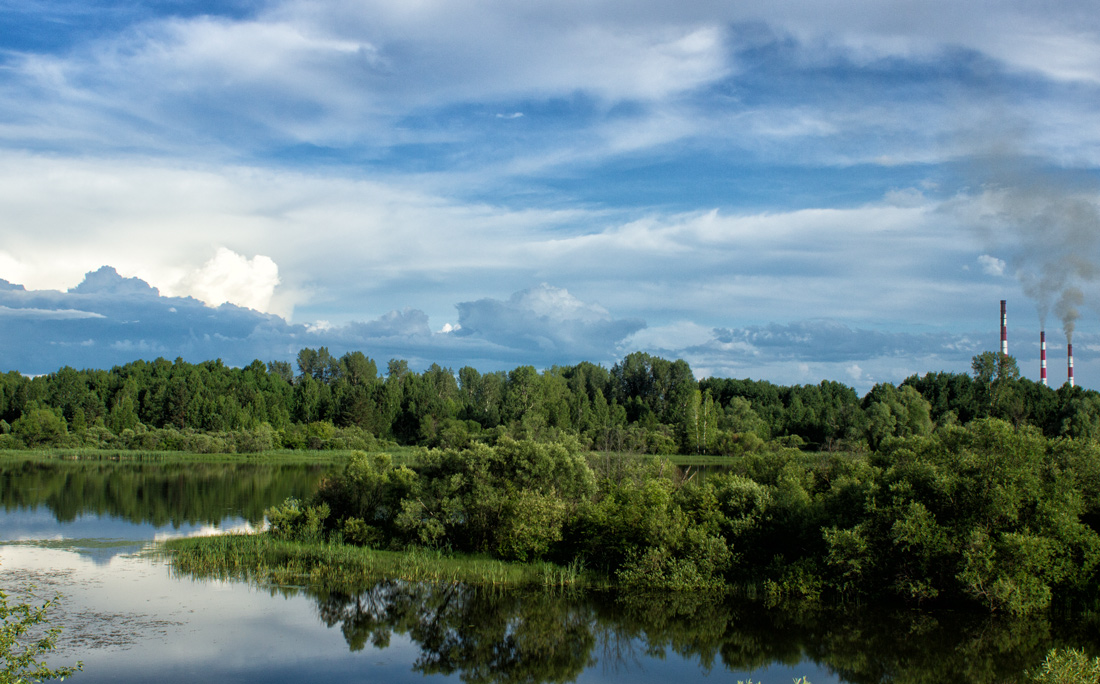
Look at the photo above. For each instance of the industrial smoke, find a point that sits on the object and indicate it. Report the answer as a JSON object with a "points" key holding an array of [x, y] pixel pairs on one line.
{"points": [[1047, 224]]}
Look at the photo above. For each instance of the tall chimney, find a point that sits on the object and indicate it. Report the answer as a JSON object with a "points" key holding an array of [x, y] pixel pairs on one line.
{"points": [[1004, 328], [1043, 356], [1069, 354]]}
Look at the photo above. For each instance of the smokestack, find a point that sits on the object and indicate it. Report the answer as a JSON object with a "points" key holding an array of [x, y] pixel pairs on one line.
{"points": [[1069, 355], [1043, 356], [1004, 328]]}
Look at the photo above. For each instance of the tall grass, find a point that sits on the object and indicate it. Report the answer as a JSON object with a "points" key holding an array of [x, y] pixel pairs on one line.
{"points": [[401, 456], [264, 560]]}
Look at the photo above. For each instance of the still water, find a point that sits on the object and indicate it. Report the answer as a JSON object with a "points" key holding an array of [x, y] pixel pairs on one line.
{"points": [[88, 531]]}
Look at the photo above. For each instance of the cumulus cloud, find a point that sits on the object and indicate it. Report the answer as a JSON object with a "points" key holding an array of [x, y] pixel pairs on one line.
{"points": [[234, 278], [547, 320], [107, 281], [108, 319], [676, 335], [991, 265], [406, 323], [384, 246]]}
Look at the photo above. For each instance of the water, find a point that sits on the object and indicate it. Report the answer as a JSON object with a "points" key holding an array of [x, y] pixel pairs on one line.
{"points": [[89, 532]]}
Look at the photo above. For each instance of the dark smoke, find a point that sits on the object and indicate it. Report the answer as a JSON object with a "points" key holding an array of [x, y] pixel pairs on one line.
{"points": [[1048, 223], [1067, 306]]}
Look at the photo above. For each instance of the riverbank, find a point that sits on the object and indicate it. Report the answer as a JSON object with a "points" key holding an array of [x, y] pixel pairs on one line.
{"points": [[401, 455], [280, 457]]}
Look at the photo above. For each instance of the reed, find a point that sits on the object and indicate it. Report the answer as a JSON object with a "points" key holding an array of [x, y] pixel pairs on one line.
{"points": [[261, 559]]}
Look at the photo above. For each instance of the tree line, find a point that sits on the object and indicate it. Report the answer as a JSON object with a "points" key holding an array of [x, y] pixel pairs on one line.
{"points": [[643, 404], [982, 515]]}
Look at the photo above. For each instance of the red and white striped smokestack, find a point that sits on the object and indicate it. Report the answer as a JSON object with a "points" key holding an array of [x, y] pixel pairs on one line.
{"points": [[1069, 355], [1043, 356], [1004, 328]]}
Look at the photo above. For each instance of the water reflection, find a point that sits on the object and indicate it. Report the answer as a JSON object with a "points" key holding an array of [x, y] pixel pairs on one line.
{"points": [[176, 494], [489, 635], [486, 636]]}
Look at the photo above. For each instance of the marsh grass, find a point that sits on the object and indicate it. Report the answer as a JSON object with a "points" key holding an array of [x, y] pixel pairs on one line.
{"points": [[401, 456], [266, 561]]}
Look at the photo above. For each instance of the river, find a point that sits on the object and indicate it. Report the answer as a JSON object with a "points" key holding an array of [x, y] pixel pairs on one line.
{"points": [[89, 531]]}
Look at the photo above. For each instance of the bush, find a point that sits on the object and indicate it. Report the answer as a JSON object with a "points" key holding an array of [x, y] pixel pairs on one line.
{"points": [[1067, 667], [531, 524], [18, 653], [293, 522]]}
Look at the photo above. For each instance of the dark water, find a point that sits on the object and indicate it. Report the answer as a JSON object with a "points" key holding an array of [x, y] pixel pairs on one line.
{"points": [[86, 530]]}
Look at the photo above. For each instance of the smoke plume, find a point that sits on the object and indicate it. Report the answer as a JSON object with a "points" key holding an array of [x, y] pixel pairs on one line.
{"points": [[1066, 309], [1048, 224]]}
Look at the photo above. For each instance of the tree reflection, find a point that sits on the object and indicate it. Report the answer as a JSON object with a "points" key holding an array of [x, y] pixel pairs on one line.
{"points": [[491, 635], [157, 493], [482, 634]]}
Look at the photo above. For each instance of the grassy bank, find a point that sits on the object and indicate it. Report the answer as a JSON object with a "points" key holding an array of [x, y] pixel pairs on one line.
{"points": [[261, 559], [401, 455]]}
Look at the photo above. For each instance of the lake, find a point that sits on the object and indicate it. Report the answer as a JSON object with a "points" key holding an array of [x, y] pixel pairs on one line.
{"points": [[89, 531]]}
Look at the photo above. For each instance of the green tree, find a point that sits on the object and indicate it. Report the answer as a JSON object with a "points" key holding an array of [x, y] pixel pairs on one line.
{"points": [[358, 368], [895, 412], [281, 369], [40, 427], [997, 376]]}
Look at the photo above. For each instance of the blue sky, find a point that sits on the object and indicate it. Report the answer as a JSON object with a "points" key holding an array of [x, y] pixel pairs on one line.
{"points": [[795, 192]]}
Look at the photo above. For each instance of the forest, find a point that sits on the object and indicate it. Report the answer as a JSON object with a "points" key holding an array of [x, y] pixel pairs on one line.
{"points": [[643, 404]]}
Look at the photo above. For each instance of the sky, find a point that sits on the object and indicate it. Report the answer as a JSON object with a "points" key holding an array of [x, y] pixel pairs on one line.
{"points": [[795, 192]]}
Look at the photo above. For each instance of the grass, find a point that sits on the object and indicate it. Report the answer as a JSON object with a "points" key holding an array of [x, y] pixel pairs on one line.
{"points": [[266, 561], [401, 456]]}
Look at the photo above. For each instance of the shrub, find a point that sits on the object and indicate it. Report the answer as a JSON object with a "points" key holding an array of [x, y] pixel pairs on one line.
{"points": [[292, 521], [1067, 667], [18, 654]]}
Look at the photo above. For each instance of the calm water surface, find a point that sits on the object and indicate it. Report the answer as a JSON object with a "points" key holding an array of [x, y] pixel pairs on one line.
{"points": [[89, 532]]}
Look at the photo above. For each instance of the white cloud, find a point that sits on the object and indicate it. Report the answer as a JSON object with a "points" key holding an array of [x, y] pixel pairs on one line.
{"points": [[56, 314], [335, 73], [991, 265], [545, 319], [673, 336], [11, 269], [344, 249], [855, 373], [231, 277]]}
